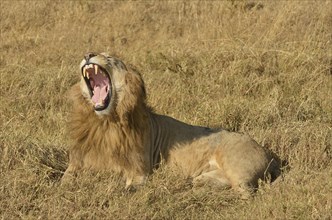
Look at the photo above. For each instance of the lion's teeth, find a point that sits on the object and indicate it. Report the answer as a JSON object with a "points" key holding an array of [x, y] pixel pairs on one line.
{"points": [[96, 69], [87, 75], [85, 72]]}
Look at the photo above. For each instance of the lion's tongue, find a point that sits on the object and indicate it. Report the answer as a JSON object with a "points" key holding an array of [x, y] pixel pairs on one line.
{"points": [[100, 89]]}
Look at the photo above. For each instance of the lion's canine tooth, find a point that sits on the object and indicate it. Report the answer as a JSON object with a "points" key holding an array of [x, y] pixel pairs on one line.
{"points": [[96, 69], [84, 72], [87, 75]]}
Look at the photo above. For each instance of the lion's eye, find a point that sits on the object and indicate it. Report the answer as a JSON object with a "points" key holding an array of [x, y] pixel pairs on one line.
{"points": [[109, 61]]}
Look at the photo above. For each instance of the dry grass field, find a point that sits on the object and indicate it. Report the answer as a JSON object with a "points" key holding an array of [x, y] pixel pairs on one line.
{"points": [[261, 68]]}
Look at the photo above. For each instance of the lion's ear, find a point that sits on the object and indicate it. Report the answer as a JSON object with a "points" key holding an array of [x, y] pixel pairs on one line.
{"points": [[133, 94]]}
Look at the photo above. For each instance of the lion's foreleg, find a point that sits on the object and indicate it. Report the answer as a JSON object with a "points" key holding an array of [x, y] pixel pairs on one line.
{"points": [[69, 174], [135, 181]]}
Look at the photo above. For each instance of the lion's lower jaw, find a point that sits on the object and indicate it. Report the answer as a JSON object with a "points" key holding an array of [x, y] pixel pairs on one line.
{"points": [[105, 112]]}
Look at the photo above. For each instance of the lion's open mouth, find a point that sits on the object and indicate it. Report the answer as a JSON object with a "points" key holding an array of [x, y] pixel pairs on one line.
{"points": [[99, 85]]}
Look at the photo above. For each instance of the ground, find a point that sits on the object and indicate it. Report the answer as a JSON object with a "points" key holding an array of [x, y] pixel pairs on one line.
{"points": [[263, 68]]}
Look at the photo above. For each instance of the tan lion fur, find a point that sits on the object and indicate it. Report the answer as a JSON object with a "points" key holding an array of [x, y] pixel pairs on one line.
{"points": [[131, 139]]}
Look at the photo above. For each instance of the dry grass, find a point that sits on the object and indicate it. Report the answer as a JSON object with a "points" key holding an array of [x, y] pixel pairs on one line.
{"points": [[263, 69]]}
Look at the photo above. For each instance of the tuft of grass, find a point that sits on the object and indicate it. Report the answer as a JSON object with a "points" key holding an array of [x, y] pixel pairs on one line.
{"points": [[262, 68]]}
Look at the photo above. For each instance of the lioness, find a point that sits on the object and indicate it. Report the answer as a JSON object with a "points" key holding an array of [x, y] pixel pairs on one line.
{"points": [[112, 128]]}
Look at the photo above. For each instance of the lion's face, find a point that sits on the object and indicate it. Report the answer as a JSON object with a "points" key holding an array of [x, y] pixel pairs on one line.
{"points": [[107, 84]]}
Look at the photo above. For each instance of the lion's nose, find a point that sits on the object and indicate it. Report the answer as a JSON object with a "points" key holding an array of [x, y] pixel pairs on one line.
{"points": [[89, 55]]}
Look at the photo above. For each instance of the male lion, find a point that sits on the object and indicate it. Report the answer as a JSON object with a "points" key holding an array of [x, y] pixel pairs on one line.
{"points": [[112, 128]]}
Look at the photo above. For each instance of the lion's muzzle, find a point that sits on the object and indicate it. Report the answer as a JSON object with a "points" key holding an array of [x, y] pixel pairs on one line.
{"points": [[98, 83]]}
